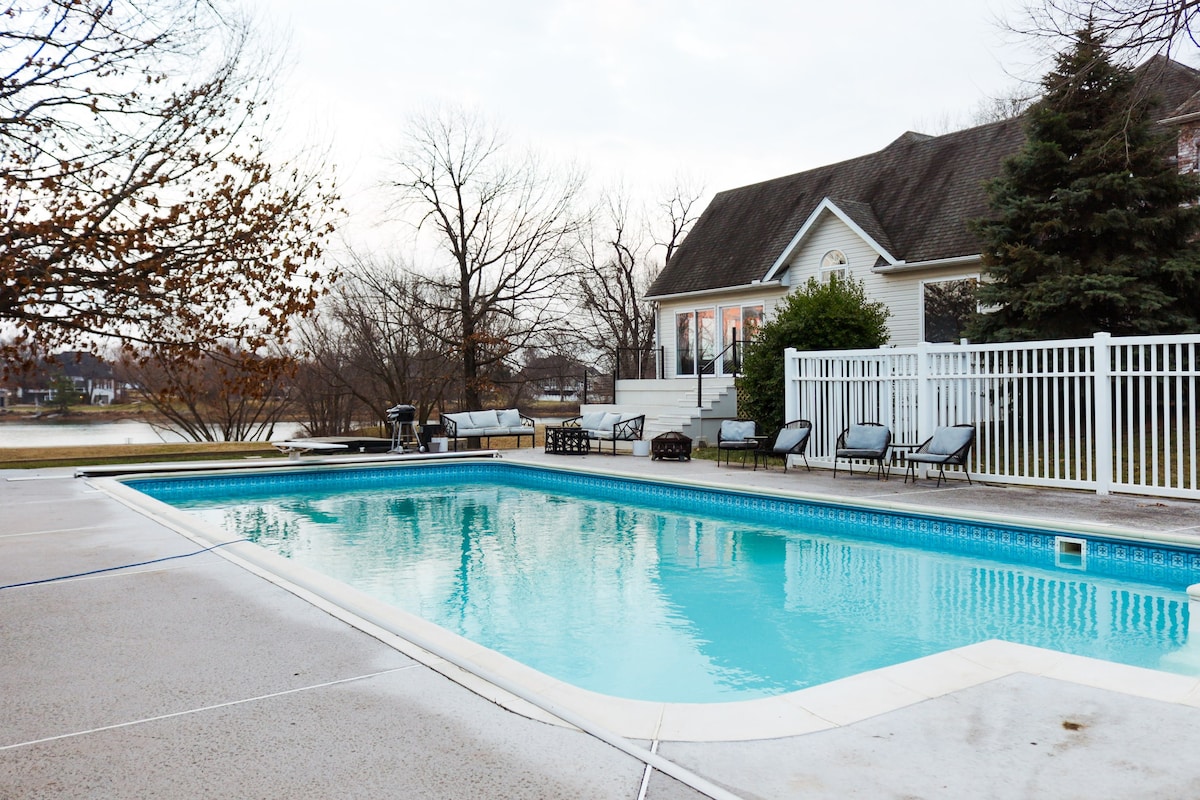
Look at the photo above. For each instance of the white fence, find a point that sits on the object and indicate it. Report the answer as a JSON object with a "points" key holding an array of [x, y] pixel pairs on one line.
{"points": [[1106, 413]]}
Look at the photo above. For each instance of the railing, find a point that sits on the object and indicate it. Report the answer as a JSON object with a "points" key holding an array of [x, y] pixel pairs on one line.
{"points": [[598, 389], [1105, 414], [643, 360], [731, 367]]}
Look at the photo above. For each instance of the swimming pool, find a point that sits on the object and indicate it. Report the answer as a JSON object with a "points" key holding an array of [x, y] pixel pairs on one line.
{"points": [[685, 594]]}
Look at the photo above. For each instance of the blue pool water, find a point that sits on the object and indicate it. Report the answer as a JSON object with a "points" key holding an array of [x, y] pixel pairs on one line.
{"points": [[659, 592]]}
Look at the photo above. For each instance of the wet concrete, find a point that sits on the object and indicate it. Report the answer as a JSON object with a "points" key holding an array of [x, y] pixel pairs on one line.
{"points": [[195, 678]]}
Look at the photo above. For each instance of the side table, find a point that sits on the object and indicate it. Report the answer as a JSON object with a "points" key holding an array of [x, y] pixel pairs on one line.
{"points": [[566, 441]]}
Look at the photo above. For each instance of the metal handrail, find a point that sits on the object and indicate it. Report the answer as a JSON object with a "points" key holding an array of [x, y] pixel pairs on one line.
{"points": [[737, 366]]}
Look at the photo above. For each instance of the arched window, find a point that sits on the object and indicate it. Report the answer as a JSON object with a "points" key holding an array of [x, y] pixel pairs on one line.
{"points": [[834, 263]]}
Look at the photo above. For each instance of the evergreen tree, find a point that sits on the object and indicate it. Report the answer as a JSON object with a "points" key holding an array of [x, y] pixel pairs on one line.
{"points": [[1094, 227], [64, 393], [821, 316]]}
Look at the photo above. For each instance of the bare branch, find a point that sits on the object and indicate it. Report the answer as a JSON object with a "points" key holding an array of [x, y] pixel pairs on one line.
{"points": [[1131, 29], [139, 201], [503, 228]]}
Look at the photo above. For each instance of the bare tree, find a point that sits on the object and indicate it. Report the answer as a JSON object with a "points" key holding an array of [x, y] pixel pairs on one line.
{"points": [[1135, 28], [1004, 106], [499, 231], [379, 340], [620, 257], [220, 394], [139, 199]]}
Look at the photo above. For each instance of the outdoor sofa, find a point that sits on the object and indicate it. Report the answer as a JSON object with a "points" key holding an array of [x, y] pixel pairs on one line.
{"points": [[487, 425], [609, 426]]}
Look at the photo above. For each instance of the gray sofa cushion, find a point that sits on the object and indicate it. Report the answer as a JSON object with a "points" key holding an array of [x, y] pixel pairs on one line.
{"points": [[485, 419], [509, 418]]}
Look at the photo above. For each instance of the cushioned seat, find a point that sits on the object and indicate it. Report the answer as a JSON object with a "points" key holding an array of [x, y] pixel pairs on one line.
{"points": [[488, 423], [866, 441], [609, 426], [792, 439], [736, 434], [951, 445]]}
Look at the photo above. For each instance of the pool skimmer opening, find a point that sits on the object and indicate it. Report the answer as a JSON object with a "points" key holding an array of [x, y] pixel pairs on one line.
{"points": [[1070, 552]]}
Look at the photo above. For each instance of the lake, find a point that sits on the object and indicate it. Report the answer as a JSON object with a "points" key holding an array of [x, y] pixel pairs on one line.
{"points": [[66, 434]]}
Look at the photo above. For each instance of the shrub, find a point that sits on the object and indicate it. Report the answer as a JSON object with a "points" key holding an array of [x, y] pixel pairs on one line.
{"points": [[821, 316]]}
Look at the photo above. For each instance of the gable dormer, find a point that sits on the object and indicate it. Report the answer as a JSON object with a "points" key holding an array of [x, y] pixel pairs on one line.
{"points": [[858, 217]]}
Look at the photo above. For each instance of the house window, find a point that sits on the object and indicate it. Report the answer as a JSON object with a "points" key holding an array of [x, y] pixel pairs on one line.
{"points": [[834, 265], [695, 341], [947, 307], [685, 347], [740, 323]]}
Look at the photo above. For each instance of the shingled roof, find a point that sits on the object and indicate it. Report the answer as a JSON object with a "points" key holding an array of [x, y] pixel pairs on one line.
{"points": [[913, 198]]}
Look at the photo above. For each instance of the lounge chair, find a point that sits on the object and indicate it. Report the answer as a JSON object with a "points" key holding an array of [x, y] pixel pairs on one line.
{"points": [[792, 440], [951, 445], [866, 441], [736, 434]]}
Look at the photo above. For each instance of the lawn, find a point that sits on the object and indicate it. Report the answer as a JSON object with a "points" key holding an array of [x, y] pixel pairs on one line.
{"points": [[31, 457]]}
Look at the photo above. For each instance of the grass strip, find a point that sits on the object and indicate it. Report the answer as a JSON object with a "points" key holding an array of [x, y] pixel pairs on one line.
{"points": [[82, 455]]}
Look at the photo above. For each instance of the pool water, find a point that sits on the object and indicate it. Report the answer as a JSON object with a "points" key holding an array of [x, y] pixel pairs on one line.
{"points": [[653, 601]]}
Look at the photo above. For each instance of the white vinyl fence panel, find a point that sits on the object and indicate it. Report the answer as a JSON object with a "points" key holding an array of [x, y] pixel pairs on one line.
{"points": [[1105, 414]]}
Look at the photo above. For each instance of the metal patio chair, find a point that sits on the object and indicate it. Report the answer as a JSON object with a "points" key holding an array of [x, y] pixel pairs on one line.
{"points": [[792, 439], [736, 434], [866, 441], [950, 445]]}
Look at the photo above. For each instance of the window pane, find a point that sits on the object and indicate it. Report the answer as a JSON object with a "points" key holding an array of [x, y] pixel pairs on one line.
{"points": [[752, 317], [731, 328], [948, 307], [685, 353], [706, 338]]}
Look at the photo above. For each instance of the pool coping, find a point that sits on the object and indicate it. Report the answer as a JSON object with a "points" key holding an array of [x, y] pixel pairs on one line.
{"points": [[533, 694]]}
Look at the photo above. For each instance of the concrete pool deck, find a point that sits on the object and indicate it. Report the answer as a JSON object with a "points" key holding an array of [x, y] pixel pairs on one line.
{"points": [[196, 678]]}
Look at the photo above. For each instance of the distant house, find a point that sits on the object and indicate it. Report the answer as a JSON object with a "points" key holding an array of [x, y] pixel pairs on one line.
{"points": [[895, 219], [94, 381]]}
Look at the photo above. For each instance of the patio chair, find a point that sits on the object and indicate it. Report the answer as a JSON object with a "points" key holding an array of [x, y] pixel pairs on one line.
{"points": [[792, 439], [951, 445], [866, 441], [736, 434]]}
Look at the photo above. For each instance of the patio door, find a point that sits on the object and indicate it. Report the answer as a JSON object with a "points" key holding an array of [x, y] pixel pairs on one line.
{"points": [[695, 341], [740, 323]]}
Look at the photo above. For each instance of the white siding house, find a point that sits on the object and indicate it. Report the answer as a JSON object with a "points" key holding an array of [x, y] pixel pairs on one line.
{"points": [[897, 220]]}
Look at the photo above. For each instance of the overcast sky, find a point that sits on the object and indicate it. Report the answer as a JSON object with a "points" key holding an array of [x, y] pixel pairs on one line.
{"points": [[726, 93]]}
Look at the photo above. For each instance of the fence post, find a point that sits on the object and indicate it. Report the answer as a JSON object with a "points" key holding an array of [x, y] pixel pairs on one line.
{"points": [[925, 415], [1102, 392], [791, 385]]}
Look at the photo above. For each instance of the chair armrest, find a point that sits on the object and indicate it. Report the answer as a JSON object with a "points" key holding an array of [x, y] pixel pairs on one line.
{"points": [[630, 429]]}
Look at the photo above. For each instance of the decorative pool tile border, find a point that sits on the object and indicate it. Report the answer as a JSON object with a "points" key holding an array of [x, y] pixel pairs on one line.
{"points": [[1132, 560]]}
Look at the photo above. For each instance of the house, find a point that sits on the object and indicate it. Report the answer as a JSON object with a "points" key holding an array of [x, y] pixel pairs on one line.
{"points": [[896, 219], [94, 381]]}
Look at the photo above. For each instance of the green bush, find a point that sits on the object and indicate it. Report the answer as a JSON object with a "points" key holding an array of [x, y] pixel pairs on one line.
{"points": [[821, 316]]}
